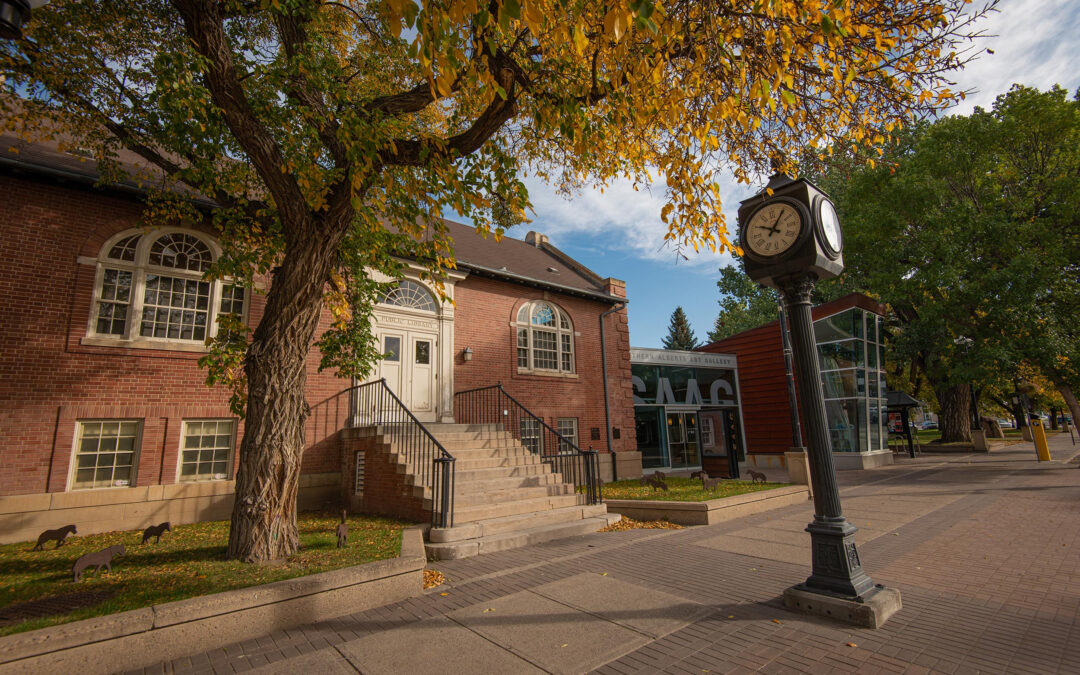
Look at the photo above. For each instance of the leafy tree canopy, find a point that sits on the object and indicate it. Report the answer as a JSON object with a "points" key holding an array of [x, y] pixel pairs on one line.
{"points": [[331, 134], [968, 229]]}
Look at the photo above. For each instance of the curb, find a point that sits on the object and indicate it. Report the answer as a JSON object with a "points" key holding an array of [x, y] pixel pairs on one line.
{"points": [[712, 511], [146, 636]]}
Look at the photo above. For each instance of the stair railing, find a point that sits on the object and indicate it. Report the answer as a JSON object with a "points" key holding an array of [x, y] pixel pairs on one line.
{"points": [[493, 405], [374, 404]]}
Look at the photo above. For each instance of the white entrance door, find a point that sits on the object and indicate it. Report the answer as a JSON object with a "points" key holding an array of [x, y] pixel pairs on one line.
{"points": [[409, 369]]}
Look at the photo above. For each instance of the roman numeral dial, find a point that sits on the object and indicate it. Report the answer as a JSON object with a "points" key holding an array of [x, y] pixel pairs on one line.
{"points": [[773, 229]]}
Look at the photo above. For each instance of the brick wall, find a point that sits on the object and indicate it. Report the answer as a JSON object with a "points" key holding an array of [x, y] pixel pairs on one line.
{"points": [[49, 379], [486, 311]]}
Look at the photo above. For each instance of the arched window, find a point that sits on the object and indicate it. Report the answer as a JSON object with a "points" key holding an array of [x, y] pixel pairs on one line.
{"points": [[410, 294], [150, 289], [545, 338]]}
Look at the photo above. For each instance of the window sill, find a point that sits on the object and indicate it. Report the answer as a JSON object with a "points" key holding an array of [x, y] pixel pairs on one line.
{"points": [[547, 373], [162, 345]]}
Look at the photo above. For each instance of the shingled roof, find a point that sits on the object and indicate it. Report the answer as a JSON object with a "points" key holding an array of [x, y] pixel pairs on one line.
{"points": [[534, 262]]}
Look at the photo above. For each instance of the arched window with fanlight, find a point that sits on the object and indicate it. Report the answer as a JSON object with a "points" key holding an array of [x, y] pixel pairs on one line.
{"points": [[410, 295], [545, 338], [150, 290]]}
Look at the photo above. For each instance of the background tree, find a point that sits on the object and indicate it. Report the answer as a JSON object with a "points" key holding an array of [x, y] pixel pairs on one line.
{"points": [[979, 217], [332, 134], [743, 304], [680, 335]]}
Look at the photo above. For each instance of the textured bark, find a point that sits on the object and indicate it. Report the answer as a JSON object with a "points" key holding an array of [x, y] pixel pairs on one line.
{"points": [[955, 416], [264, 514], [991, 427], [1069, 395]]}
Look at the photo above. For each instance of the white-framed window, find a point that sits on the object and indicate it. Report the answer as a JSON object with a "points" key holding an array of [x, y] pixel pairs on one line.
{"points": [[567, 428], [531, 435], [106, 454], [545, 338], [206, 449], [411, 295], [150, 290]]}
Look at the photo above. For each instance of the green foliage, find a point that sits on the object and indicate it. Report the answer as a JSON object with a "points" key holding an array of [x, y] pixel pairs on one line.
{"points": [[680, 334], [743, 304], [683, 490], [968, 227]]}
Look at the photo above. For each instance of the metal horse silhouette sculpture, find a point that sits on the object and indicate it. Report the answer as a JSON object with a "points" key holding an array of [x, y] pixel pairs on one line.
{"points": [[49, 535], [99, 559], [156, 531]]}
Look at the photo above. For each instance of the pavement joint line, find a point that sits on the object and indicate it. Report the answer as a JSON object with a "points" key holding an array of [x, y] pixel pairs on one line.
{"points": [[507, 648], [533, 565]]}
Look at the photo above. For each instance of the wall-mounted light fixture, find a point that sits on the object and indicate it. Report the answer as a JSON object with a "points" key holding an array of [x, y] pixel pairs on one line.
{"points": [[467, 354]]}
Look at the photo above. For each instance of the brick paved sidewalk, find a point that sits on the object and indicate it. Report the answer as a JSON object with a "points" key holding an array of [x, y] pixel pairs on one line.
{"points": [[985, 550]]}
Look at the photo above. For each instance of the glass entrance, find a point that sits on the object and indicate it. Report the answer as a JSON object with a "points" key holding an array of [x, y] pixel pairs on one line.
{"points": [[683, 440]]}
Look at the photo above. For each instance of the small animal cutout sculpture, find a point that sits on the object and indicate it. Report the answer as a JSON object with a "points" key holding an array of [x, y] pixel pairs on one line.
{"points": [[155, 531], [342, 532], [654, 481], [756, 476], [709, 484], [698, 474], [57, 534], [99, 559]]}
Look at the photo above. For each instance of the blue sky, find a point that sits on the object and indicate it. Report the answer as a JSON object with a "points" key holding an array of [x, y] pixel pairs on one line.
{"points": [[618, 233]]}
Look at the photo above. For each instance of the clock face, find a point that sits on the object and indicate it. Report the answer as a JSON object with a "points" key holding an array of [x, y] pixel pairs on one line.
{"points": [[773, 229], [830, 226]]}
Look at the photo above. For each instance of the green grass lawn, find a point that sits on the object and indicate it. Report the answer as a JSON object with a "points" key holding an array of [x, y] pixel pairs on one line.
{"points": [[682, 490], [189, 561]]}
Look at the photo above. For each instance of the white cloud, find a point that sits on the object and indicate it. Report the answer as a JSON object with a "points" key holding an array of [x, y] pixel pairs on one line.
{"points": [[1035, 43], [625, 218]]}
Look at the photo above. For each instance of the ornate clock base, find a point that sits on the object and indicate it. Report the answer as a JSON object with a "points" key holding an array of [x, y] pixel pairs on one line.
{"points": [[870, 611]]}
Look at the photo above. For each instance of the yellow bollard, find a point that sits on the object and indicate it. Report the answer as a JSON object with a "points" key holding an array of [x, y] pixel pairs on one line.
{"points": [[1039, 434]]}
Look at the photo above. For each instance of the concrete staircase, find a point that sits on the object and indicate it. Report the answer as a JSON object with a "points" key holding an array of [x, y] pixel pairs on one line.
{"points": [[505, 497]]}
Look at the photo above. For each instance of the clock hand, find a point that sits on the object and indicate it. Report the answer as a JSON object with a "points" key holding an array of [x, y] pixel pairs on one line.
{"points": [[774, 229]]}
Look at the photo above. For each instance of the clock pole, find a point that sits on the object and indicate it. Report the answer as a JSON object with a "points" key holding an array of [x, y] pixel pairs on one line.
{"points": [[836, 566], [811, 250]]}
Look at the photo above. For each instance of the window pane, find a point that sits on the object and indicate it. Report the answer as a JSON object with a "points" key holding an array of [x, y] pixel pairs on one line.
{"points": [[839, 384], [113, 307], [543, 315], [523, 347], [530, 435], [843, 425], [392, 348], [181, 251], [567, 428], [162, 300], [545, 350], [836, 327], [213, 438], [105, 454], [410, 294], [423, 352], [125, 248], [836, 355]]}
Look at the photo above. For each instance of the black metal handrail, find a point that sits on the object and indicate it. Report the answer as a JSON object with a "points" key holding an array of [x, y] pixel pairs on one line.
{"points": [[493, 405], [375, 404]]}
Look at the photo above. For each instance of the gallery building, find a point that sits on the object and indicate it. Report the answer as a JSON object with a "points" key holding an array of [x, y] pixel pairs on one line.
{"points": [[850, 351], [105, 419]]}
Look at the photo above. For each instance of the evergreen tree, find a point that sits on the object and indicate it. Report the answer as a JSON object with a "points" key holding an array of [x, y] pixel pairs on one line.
{"points": [[743, 304], [680, 335]]}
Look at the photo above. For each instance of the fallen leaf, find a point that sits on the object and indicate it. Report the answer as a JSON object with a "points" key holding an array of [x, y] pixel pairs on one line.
{"points": [[489, 609], [852, 644], [731, 616], [753, 569], [565, 643], [776, 620], [444, 594], [603, 574]]}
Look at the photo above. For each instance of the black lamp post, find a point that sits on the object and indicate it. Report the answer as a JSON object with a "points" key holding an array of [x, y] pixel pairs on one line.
{"points": [[13, 14], [791, 239]]}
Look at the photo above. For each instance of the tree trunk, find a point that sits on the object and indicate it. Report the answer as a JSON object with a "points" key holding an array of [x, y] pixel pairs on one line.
{"points": [[1070, 400], [263, 524], [955, 417], [1055, 413]]}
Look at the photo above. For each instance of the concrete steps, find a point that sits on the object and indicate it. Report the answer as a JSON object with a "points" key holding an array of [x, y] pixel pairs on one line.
{"points": [[504, 496]]}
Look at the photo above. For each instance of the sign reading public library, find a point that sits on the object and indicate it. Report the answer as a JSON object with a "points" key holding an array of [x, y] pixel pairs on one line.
{"points": [[662, 377]]}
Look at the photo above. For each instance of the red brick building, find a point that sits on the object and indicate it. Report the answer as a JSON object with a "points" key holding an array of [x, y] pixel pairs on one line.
{"points": [[104, 415]]}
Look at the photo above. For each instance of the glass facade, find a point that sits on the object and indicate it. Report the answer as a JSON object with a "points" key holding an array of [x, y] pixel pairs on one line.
{"points": [[852, 360], [684, 412]]}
